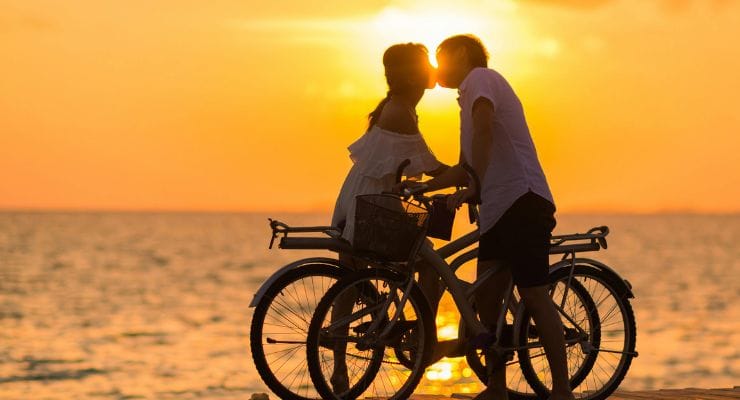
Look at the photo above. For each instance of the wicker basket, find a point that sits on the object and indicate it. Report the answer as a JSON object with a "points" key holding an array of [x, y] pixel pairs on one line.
{"points": [[388, 227]]}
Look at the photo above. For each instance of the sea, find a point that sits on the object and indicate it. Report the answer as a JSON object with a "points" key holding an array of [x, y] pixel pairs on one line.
{"points": [[129, 305]]}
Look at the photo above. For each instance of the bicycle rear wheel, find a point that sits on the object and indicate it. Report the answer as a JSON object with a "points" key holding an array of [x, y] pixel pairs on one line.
{"points": [[279, 328], [575, 301], [603, 359], [385, 366]]}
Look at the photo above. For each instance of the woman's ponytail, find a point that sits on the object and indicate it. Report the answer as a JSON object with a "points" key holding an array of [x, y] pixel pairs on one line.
{"points": [[373, 116]]}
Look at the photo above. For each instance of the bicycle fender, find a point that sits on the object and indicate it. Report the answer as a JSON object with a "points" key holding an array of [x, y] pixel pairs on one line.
{"points": [[287, 268], [623, 285]]}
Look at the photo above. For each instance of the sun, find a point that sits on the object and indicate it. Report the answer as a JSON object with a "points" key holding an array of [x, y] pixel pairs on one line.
{"points": [[429, 27]]}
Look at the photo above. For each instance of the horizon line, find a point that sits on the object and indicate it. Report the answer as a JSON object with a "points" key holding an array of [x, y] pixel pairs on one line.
{"points": [[153, 210]]}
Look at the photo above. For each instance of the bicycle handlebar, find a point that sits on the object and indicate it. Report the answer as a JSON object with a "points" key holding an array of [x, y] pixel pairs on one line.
{"points": [[399, 171], [418, 191]]}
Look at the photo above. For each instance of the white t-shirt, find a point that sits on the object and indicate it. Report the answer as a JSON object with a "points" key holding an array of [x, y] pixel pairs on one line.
{"points": [[513, 168]]}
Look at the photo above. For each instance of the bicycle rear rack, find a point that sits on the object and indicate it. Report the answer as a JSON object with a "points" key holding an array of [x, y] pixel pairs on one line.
{"points": [[333, 242], [593, 240]]}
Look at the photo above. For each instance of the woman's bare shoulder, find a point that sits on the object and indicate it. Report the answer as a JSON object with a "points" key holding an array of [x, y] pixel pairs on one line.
{"points": [[396, 117]]}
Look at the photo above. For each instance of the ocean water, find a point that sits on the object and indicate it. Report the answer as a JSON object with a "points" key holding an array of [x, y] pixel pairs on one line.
{"points": [[155, 305]]}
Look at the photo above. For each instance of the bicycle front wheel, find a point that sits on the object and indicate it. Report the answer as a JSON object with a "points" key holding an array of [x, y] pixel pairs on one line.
{"points": [[355, 348]]}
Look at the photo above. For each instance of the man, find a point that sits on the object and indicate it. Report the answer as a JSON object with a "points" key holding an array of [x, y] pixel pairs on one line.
{"points": [[516, 209]]}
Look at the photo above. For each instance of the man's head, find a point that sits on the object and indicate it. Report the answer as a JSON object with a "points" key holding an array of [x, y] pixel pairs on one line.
{"points": [[456, 56]]}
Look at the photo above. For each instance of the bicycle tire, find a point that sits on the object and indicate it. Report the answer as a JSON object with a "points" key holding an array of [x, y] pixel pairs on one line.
{"points": [[283, 386], [384, 370], [603, 291], [518, 386]]}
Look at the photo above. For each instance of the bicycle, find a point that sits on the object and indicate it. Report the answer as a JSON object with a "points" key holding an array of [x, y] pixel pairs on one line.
{"points": [[391, 329], [284, 304]]}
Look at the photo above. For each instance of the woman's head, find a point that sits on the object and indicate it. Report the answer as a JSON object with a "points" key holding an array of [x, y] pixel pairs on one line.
{"points": [[407, 68], [407, 71]]}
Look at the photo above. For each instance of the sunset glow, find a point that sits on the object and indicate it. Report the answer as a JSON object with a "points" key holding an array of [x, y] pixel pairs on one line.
{"points": [[428, 27], [234, 106]]}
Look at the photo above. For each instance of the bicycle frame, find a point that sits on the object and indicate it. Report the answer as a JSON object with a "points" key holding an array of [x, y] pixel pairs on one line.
{"points": [[460, 290]]}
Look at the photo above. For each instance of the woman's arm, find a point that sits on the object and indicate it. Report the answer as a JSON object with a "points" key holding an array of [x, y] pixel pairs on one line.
{"points": [[439, 170]]}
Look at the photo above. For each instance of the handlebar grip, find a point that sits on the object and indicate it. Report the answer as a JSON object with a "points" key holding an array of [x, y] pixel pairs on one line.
{"points": [[399, 171]]}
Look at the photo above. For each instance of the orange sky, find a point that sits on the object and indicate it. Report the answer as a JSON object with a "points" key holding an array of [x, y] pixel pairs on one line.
{"points": [[238, 105]]}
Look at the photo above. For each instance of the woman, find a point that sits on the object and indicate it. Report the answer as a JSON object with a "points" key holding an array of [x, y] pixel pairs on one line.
{"points": [[392, 136]]}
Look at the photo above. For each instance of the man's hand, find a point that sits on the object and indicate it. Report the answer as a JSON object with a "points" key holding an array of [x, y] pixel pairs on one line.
{"points": [[454, 201]]}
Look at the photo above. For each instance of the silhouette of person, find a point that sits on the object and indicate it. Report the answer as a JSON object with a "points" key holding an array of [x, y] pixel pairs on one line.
{"points": [[392, 136], [516, 206]]}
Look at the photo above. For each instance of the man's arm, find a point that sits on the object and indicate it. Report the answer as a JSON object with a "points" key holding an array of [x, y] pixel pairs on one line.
{"points": [[439, 170], [453, 176], [483, 117]]}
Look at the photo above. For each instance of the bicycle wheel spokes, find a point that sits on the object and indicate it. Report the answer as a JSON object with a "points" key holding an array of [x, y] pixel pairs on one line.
{"points": [[353, 356], [613, 353], [343, 326], [285, 329], [579, 320], [599, 333]]}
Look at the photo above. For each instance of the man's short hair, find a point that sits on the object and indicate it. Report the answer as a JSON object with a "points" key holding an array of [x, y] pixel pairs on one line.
{"points": [[475, 49]]}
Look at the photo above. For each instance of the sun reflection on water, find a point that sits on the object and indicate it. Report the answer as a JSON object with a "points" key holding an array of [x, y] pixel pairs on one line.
{"points": [[449, 375]]}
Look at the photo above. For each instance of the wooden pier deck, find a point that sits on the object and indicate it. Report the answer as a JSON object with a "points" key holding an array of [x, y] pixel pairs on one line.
{"points": [[672, 394]]}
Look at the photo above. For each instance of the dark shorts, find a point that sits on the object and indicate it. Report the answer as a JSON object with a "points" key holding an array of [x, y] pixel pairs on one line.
{"points": [[521, 239]]}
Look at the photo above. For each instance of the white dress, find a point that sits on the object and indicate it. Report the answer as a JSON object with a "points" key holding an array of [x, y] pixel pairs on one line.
{"points": [[376, 156]]}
